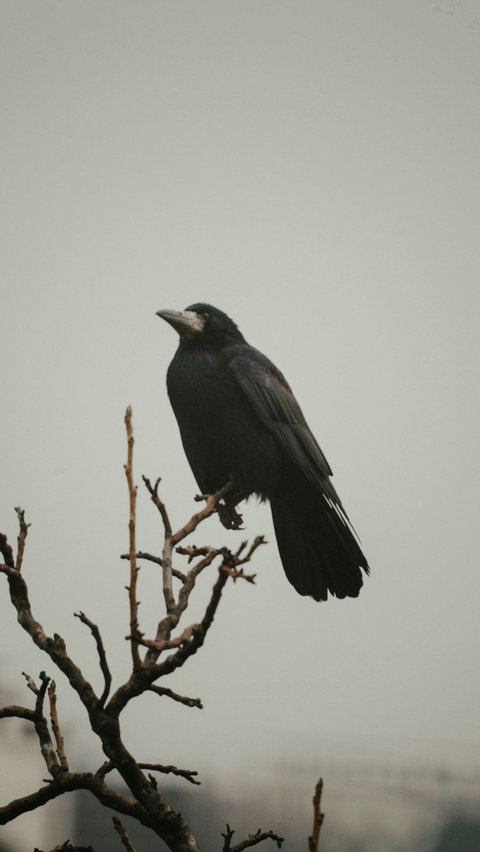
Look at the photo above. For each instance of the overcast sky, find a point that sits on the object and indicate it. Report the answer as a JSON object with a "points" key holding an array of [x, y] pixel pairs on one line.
{"points": [[313, 170]]}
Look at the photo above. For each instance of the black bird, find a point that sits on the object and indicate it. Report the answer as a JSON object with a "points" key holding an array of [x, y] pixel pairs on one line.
{"points": [[240, 423]]}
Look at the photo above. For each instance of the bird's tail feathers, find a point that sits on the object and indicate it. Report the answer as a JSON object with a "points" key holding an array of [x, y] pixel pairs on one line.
{"points": [[318, 547]]}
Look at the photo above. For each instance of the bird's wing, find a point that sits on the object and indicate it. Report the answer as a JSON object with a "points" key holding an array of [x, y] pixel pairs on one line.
{"points": [[273, 401]]}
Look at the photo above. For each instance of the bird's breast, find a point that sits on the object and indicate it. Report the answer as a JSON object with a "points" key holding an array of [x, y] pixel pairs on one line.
{"points": [[222, 435]]}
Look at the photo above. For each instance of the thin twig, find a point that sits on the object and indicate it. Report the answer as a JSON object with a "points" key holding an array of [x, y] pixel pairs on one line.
{"points": [[132, 588], [239, 575], [31, 683], [188, 774], [102, 657], [41, 692], [49, 753], [50, 756], [52, 696], [259, 540], [182, 699], [251, 840], [160, 645], [122, 832], [167, 574], [211, 505], [166, 559], [141, 554], [150, 557], [153, 491], [13, 711], [318, 817], [21, 537]]}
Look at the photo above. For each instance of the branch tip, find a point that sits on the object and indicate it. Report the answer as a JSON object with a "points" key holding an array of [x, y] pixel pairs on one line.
{"points": [[318, 817]]}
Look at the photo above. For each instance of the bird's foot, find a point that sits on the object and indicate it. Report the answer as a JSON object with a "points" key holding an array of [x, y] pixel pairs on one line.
{"points": [[229, 517]]}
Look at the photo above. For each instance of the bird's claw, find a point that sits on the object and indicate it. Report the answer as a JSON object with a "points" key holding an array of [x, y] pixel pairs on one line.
{"points": [[229, 517]]}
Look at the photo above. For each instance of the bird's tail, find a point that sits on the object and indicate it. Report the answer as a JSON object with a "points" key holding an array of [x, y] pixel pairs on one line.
{"points": [[318, 548]]}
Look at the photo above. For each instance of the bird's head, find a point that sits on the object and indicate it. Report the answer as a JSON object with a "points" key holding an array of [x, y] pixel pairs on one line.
{"points": [[202, 325]]}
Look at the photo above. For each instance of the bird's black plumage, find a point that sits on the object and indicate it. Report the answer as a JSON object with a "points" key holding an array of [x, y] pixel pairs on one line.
{"points": [[240, 422]]}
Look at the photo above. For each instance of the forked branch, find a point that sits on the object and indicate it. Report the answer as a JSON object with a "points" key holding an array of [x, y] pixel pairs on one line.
{"points": [[251, 840], [144, 801]]}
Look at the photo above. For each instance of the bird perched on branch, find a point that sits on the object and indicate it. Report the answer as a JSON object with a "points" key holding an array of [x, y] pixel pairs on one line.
{"points": [[241, 424]]}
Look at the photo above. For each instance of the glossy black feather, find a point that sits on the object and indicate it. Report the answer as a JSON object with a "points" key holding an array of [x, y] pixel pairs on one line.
{"points": [[239, 420]]}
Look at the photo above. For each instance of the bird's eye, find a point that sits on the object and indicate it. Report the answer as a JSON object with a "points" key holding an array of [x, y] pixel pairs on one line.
{"points": [[205, 315]]}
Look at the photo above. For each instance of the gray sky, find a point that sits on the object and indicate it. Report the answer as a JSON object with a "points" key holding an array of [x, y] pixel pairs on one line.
{"points": [[313, 170]]}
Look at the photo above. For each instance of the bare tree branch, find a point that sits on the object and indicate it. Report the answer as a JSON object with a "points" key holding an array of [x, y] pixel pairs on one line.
{"points": [[159, 814], [318, 818], [102, 657], [153, 491], [251, 840], [68, 782], [52, 695], [122, 832], [182, 699], [6, 551], [172, 539], [54, 646], [31, 683], [212, 502], [47, 748], [17, 712], [142, 679], [144, 802], [132, 588], [188, 774], [149, 557], [21, 537]]}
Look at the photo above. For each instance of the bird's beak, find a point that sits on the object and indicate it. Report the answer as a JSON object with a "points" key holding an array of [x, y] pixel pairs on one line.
{"points": [[185, 322]]}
